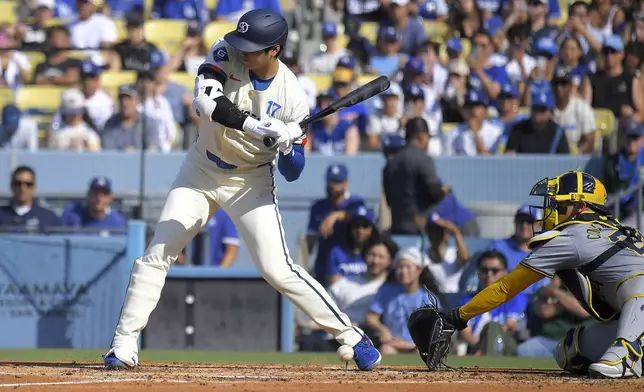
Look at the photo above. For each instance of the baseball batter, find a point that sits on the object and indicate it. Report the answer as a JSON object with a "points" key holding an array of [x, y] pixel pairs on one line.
{"points": [[598, 259], [243, 93]]}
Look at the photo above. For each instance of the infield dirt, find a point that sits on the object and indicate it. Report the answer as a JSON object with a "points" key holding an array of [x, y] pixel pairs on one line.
{"points": [[183, 377]]}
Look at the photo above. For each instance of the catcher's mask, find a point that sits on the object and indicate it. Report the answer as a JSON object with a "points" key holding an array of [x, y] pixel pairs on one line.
{"points": [[569, 187]]}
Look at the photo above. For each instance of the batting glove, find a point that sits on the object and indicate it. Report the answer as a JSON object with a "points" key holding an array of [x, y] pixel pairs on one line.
{"points": [[205, 93], [261, 128], [285, 141]]}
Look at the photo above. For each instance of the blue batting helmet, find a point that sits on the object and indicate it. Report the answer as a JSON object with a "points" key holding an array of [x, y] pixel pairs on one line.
{"points": [[257, 30]]}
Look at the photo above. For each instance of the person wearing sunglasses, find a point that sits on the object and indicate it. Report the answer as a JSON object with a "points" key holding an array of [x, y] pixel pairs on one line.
{"points": [[492, 333], [23, 212]]}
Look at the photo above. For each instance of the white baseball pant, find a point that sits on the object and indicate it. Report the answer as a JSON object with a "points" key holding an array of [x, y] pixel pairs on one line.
{"points": [[249, 199]]}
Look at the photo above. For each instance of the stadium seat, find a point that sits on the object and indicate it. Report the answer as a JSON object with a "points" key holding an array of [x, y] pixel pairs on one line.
{"points": [[215, 30], [369, 30], [524, 110], [79, 54], [39, 98], [35, 58], [211, 4], [447, 127], [121, 30], [8, 12], [166, 34], [563, 7], [111, 79], [184, 79], [435, 29], [54, 22], [322, 81], [604, 121]]}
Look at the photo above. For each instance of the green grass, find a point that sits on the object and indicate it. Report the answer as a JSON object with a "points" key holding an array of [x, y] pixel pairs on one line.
{"points": [[266, 357]]}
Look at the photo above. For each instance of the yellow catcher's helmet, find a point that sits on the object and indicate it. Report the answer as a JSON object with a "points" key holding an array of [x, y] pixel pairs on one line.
{"points": [[572, 186]]}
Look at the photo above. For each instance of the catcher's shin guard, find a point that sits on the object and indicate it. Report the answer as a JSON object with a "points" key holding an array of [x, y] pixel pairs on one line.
{"points": [[622, 360], [568, 353]]}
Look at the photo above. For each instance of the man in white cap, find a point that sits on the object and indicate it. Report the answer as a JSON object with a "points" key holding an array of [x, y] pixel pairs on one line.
{"points": [[72, 132]]}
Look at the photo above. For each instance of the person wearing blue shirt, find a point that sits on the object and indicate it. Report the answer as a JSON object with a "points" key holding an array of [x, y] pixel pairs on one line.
{"points": [[224, 239], [539, 27], [232, 10], [484, 75], [454, 211], [23, 212], [95, 211], [327, 217], [484, 331], [387, 60], [179, 9], [509, 114], [119, 9], [412, 31], [515, 247], [343, 82], [332, 135], [395, 301], [348, 259]]}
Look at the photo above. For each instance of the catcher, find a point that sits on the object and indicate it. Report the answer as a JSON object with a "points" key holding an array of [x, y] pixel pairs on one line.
{"points": [[598, 259]]}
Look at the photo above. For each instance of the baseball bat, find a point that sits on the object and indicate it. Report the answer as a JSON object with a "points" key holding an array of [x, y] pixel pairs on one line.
{"points": [[356, 96]]}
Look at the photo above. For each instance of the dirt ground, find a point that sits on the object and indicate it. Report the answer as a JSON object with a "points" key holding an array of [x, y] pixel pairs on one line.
{"points": [[181, 377]]}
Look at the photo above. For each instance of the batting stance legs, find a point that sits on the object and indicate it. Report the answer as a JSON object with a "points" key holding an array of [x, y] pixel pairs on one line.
{"points": [[249, 199], [611, 349]]}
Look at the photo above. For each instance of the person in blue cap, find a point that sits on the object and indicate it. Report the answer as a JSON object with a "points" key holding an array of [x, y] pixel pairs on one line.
{"points": [[509, 113], [454, 48], [412, 31], [539, 27], [348, 258], [99, 104], [478, 134], [387, 60], [95, 212], [194, 9], [326, 60], [612, 87], [332, 135], [484, 75], [538, 134], [386, 120], [328, 215], [435, 10], [17, 131], [623, 169]]}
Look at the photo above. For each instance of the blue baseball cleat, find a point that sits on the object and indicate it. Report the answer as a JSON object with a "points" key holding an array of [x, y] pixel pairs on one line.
{"points": [[112, 362], [366, 356]]}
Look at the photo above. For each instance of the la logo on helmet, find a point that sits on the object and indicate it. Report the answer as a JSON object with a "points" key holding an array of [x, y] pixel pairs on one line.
{"points": [[243, 27]]}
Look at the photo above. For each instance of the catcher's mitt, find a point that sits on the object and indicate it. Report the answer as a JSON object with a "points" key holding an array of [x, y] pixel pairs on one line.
{"points": [[431, 330]]}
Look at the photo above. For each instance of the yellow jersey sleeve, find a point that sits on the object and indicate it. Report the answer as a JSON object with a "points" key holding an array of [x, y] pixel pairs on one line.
{"points": [[500, 292]]}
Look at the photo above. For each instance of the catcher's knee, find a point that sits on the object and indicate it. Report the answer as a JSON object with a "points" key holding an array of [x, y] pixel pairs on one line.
{"points": [[568, 353]]}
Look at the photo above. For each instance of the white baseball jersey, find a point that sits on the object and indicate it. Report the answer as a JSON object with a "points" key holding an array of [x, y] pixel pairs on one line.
{"points": [[284, 99]]}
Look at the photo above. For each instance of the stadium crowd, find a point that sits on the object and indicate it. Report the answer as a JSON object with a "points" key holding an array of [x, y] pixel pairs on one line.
{"points": [[470, 77]]}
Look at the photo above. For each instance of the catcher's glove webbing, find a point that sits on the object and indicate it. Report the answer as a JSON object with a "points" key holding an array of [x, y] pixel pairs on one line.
{"points": [[431, 329]]}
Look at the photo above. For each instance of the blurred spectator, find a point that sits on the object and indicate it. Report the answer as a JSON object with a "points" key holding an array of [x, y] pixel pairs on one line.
{"points": [[633, 56], [98, 103], [223, 238], [327, 216], [14, 66], [557, 312], [484, 331], [33, 35], [232, 10], [612, 88], [453, 48], [348, 258], [58, 69], [410, 181], [135, 52], [291, 60], [454, 97], [354, 294], [395, 301], [509, 113], [92, 30], [128, 129], [415, 106], [332, 135], [344, 81], [191, 10], [72, 132], [477, 135], [623, 170], [432, 9], [411, 30], [388, 58], [605, 19], [436, 74], [545, 52], [420, 97], [121, 9], [446, 261], [577, 27], [637, 27], [517, 62], [483, 74], [454, 211], [325, 60], [387, 121], [570, 57], [539, 27], [538, 134], [391, 144], [157, 107], [465, 18], [356, 11], [573, 114], [23, 211], [17, 130], [95, 212], [192, 52], [180, 100]]}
